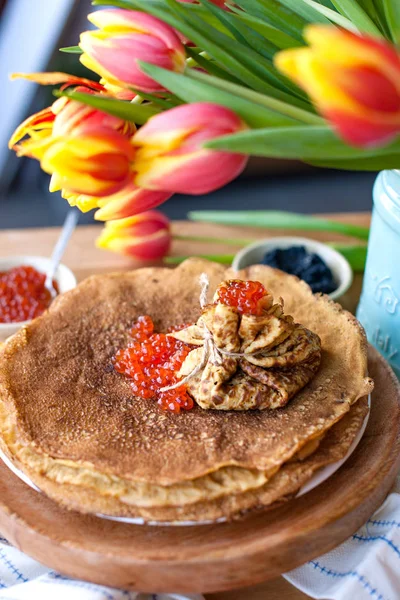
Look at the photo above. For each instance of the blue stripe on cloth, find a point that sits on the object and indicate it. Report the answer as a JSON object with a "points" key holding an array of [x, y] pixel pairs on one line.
{"points": [[383, 523], [57, 578], [364, 582], [11, 567], [374, 538]]}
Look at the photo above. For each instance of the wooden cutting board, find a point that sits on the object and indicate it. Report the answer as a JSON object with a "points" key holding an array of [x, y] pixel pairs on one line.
{"points": [[214, 557]]}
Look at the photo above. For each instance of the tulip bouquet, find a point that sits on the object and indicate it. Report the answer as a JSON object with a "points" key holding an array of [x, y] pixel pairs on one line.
{"points": [[187, 90]]}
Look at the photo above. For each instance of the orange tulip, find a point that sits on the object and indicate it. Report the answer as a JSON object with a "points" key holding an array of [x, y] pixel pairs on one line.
{"points": [[96, 161], [63, 116], [61, 135], [146, 236], [354, 81]]}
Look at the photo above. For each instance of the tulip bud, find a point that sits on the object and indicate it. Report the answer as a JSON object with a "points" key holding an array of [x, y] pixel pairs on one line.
{"points": [[354, 81], [170, 154], [124, 37], [146, 236]]}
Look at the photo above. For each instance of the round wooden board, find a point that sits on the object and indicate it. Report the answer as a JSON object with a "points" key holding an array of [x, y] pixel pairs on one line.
{"points": [[214, 557]]}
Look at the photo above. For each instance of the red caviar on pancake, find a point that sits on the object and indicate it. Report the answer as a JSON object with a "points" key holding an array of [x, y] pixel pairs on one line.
{"points": [[151, 362], [245, 296]]}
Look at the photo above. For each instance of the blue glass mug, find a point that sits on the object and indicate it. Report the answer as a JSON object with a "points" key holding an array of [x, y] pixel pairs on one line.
{"points": [[379, 308]]}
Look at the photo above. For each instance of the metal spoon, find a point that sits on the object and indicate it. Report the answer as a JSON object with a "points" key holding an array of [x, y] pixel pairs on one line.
{"points": [[66, 232]]}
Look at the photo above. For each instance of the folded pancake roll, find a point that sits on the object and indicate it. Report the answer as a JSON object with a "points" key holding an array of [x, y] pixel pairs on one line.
{"points": [[255, 360], [253, 396]]}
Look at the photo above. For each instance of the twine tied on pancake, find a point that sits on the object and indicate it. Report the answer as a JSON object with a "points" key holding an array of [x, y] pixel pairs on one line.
{"points": [[211, 352]]}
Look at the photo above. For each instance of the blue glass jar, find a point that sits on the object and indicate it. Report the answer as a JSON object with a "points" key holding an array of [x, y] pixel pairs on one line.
{"points": [[379, 308]]}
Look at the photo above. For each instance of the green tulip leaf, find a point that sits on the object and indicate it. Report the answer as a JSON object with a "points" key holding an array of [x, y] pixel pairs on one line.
{"points": [[392, 14], [272, 12], [240, 31], [312, 142], [271, 103], [191, 90], [279, 38], [353, 11], [306, 11], [71, 50], [372, 163], [243, 62], [135, 113], [210, 66], [224, 259], [332, 15], [275, 219]]}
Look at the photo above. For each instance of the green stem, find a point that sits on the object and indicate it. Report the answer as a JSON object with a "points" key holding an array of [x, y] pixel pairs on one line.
{"points": [[225, 259], [278, 220], [278, 105], [212, 240]]}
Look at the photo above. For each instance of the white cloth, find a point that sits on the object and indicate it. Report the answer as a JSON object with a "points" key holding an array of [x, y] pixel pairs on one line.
{"points": [[22, 578], [365, 567]]}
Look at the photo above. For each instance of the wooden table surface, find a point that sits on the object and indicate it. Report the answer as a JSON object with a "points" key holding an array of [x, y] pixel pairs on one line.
{"points": [[85, 259]]}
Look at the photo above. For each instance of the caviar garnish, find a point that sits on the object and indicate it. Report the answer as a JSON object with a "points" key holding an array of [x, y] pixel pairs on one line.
{"points": [[151, 362], [23, 295], [308, 266], [245, 296]]}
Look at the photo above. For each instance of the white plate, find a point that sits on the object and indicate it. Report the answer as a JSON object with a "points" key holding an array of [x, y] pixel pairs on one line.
{"points": [[318, 478]]}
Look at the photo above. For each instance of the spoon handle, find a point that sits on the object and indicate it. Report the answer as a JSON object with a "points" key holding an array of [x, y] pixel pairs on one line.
{"points": [[67, 230]]}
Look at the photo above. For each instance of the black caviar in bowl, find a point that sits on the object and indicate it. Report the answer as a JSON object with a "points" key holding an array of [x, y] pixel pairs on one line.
{"points": [[308, 266]]}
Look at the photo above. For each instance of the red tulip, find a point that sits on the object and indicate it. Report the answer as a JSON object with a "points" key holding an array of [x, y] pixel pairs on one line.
{"points": [[170, 154], [123, 38]]}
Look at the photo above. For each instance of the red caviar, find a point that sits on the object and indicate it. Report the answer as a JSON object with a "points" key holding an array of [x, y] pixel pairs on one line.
{"points": [[151, 362], [245, 296], [23, 295]]}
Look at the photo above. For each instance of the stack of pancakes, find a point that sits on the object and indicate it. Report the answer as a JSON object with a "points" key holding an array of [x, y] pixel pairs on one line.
{"points": [[72, 424]]}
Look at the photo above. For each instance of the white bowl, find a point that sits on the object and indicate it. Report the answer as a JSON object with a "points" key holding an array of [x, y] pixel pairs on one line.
{"points": [[64, 276], [341, 270]]}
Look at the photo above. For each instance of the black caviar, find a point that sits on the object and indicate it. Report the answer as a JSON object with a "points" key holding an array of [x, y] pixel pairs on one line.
{"points": [[310, 267]]}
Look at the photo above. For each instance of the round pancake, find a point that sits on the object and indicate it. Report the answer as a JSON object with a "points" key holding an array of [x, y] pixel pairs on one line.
{"points": [[281, 487], [62, 399]]}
